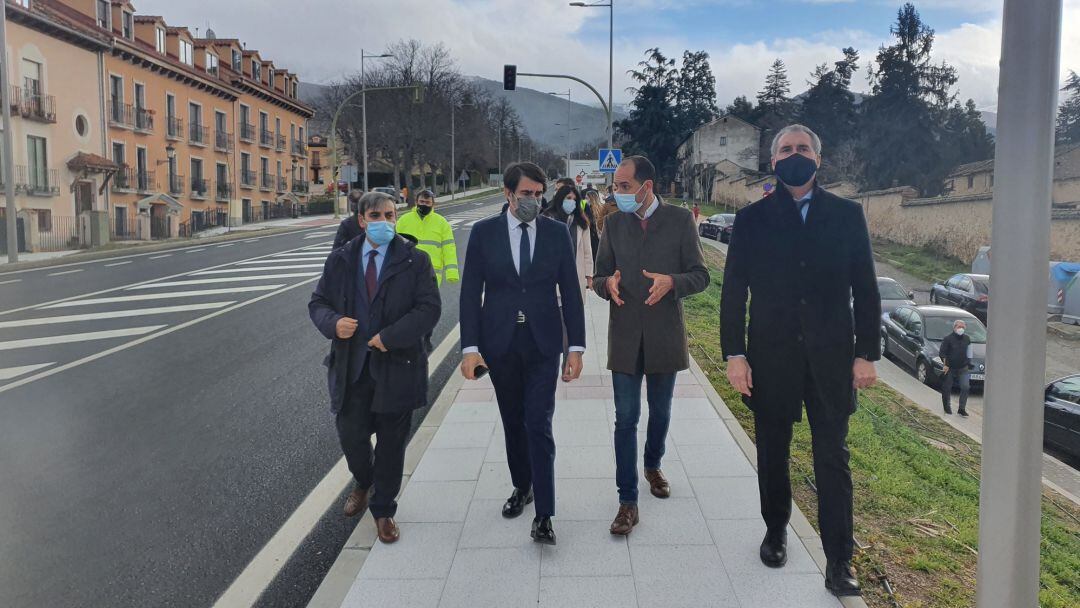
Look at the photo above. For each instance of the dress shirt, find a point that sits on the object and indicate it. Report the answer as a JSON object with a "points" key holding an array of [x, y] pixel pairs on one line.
{"points": [[380, 258]]}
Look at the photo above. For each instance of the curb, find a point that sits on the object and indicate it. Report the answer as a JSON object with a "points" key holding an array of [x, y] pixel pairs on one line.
{"points": [[1064, 331]]}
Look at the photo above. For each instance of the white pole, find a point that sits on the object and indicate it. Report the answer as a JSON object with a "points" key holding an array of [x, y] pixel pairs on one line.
{"points": [[453, 166], [9, 161], [1009, 505], [363, 100]]}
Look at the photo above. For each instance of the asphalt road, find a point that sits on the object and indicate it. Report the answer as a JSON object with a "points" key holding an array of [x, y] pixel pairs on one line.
{"points": [[162, 415]]}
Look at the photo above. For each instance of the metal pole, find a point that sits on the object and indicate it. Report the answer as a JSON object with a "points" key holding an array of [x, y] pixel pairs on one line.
{"points": [[569, 108], [363, 100], [453, 166], [611, 71], [9, 161], [1009, 505], [500, 143]]}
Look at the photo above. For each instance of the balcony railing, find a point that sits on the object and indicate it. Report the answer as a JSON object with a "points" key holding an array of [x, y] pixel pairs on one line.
{"points": [[247, 178], [267, 182], [121, 114], [198, 134], [176, 184], [146, 182], [300, 186], [280, 142], [247, 132], [124, 180], [282, 184], [223, 191], [266, 138], [176, 128], [37, 181], [298, 148], [144, 120], [199, 187], [33, 106], [223, 141]]}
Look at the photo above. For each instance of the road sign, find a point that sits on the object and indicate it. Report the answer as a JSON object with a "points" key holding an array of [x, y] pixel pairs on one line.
{"points": [[464, 177], [610, 159]]}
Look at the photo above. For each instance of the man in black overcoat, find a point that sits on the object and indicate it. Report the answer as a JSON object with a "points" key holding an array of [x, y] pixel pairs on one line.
{"points": [[803, 257]]}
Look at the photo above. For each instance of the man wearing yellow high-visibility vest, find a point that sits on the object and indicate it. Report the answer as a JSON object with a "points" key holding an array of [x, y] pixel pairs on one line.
{"points": [[433, 234]]}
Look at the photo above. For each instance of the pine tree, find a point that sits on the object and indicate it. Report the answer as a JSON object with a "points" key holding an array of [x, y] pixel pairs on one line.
{"points": [[774, 111], [1068, 122], [829, 109], [777, 86], [742, 108]]}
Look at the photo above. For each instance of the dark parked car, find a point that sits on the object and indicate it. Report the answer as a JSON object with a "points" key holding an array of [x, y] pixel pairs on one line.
{"points": [[1061, 427], [718, 227], [893, 294], [389, 190], [912, 335], [968, 291]]}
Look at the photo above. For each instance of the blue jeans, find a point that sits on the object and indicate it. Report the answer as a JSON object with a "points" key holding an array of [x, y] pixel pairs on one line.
{"points": [[627, 389]]}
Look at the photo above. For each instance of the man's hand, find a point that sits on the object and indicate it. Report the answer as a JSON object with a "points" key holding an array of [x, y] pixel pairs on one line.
{"points": [[739, 375], [376, 342], [613, 287], [573, 367], [469, 363], [944, 369], [345, 328], [864, 373], [662, 284], [588, 282]]}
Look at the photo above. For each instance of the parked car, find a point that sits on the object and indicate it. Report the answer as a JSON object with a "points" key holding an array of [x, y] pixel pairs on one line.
{"points": [[718, 227], [970, 292], [1061, 410], [893, 294], [389, 190], [912, 335]]}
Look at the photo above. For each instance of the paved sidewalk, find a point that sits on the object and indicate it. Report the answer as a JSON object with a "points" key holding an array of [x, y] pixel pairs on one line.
{"points": [[698, 548]]}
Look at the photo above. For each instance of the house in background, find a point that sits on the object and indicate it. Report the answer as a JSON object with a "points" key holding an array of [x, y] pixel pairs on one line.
{"points": [[728, 140]]}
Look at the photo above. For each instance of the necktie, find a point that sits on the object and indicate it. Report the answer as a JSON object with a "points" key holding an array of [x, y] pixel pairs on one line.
{"points": [[802, 209], [524, 250], [371, 276]]}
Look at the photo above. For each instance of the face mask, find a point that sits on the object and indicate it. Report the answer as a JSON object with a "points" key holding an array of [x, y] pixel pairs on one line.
{"points": [[380, 233], [628, 202], [423, 210], [959, 331], [568, 206], [796, 170], [527, 209]]}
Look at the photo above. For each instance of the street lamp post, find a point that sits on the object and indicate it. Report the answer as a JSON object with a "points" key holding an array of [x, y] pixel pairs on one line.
{"points": [[363, 101], [610, 4], [569, 107], [453, 159], [9, 159]]}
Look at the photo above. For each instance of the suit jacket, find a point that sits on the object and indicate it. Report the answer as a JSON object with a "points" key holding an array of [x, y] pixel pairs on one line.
{"points": [[669, 246], [348, 230], [492, 292], [405, 310], [814, 300]]}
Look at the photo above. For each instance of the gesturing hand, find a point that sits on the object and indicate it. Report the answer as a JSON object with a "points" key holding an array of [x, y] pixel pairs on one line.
{"points": [[739, 375], [613, 287], [662, 284], [345, 328]]}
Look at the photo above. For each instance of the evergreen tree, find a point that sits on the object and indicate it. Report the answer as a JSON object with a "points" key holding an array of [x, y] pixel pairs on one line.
{"points": [[774, 111], [742, 108], [1068, 122], [829, 108], [695, 97], [652, 128]]}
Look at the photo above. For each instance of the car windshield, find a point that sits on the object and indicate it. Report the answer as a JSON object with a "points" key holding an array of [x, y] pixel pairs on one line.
{"points": [[891, 290], [728, 217], [939, 327], [981, 287]]}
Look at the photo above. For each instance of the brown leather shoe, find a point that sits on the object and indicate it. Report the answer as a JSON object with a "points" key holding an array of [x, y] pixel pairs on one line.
{"points": [[388, 530], [356, 502], [658, 484], [625, 520]]}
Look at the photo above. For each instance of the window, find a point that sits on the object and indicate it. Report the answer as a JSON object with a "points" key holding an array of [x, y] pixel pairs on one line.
{"points": [[971, 181], [237, 60], [170, 106], [187, 52], [44, 218], [264, 122], [160, 44], [245, 163], [966, 285], [104, 14], [256, 70], [82, 126], [118, 153], [195, 115], [196, 169], [38, 165], [271, 75], [211, 63], [24, 3], [31, 80], [128, 26], [723, 140], [1066, 390], [140, 166], [277, 125], [991, 180], [301, 131]]}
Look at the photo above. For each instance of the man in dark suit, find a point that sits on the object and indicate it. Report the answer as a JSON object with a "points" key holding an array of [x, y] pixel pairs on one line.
{"points": [[510, 317], [377, 301], [349, 228], [804, 257]]}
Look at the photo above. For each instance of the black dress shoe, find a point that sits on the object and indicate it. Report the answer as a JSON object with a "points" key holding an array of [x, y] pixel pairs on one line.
{"points": [[516, 503], [542, 532], [774, 548], [840, 580], [963, 413]]}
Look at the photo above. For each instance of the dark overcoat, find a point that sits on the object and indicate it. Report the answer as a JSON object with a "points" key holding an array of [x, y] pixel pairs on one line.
{"points": [[348, 229], [813, 301], [405, 310]]}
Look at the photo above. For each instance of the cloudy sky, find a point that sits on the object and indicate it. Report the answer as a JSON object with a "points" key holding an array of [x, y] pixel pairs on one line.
{"points": [[743, 37]]}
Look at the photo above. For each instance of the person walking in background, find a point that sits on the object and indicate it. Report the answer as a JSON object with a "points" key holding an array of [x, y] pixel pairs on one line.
{"points": [[349, 228], [376, 301], [697, 213], [649, 259], [433, 234], [606, 209], [809, 249], [512, 322], [564, 207], [955, 353]]}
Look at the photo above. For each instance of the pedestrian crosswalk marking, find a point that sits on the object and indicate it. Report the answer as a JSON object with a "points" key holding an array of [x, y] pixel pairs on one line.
{"points": [[7, 373], [83, 337], [113, 314], [256, 269], [164, 296], [287, 275], [312, 254], [315, 235], [282, 261]]}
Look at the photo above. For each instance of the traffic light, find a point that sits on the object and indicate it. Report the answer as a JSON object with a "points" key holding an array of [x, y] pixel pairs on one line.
{"points": [[509, 77]]}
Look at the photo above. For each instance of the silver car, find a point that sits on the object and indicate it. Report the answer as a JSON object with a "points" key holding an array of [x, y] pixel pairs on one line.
{"points": [[893, 295]]}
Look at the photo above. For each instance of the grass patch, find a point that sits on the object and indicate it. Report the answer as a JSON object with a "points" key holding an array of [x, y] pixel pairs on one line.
{"points": [[706, 210], [921, 262], [916, 483]]}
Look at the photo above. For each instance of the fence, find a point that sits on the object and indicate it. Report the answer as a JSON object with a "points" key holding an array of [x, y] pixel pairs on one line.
{"points": [[55, 233]]}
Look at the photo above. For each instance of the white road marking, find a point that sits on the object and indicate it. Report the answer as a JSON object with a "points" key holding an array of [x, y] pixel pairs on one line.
{"points": [[257, 269], [69, 338], [117, 264], [226, 245], [196, 250], [158, 257], [113, 314], [10, 281], [163, 296], [56, 274], [268, 562], [283, 260], [300, 254], [454, 222], [287, 275], [315, 235], [7, 373]]}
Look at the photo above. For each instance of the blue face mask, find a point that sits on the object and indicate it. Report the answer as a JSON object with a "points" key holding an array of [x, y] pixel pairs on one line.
{"points": [[380, 233], [628, 202], [568, 206]]}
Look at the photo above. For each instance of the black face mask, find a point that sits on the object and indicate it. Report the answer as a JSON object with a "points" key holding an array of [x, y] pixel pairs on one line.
{"points": [[423, 210], [796, 170]]}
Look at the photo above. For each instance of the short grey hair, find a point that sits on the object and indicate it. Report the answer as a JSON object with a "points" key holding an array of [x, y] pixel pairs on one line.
{"points": [[373, 200], [815, 141]]}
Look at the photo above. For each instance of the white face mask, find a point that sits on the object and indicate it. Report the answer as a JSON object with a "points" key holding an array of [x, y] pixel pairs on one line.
{"points": [[959, 331]]}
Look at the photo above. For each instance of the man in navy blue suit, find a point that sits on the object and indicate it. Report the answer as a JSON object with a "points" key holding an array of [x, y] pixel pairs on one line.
{"points": [[510, 317]]}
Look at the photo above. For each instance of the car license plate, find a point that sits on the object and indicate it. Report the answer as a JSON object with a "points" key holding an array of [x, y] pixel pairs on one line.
{"points": [[978, 376]]}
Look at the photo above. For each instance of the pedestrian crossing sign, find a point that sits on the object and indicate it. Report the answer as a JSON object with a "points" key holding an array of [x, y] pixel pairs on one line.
{"points": [[610, 159]]}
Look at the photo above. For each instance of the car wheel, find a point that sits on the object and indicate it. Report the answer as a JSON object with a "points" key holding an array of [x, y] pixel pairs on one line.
{"points": [[933, 298], [884, 344], [922, 372]]}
